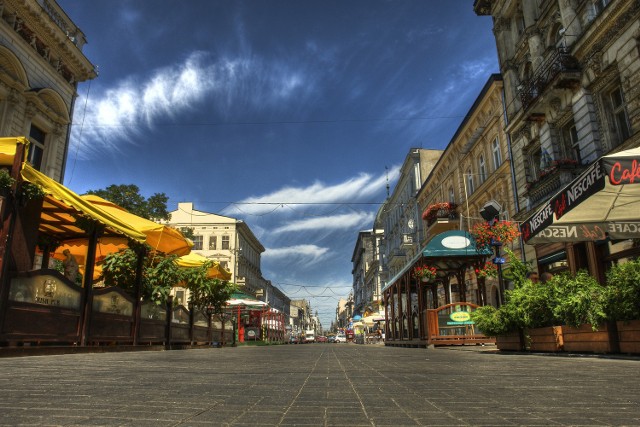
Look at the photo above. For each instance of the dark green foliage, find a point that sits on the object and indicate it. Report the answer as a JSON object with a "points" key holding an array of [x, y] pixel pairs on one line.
{"points": [[160, 274], [578, 299], [129, 197], [623, 291], [491, 321]]}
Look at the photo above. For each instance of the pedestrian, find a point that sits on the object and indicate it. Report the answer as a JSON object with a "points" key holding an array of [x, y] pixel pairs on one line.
{"points": [[545, 277], [533, 276], [70, 266]]}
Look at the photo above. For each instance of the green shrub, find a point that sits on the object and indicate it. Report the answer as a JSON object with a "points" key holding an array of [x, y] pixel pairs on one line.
{"points": [[492, 321], [622, 294], [579, 299], [531, 304]]}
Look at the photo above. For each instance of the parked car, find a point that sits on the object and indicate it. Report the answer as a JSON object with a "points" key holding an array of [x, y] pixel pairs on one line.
{"points": [[321, 338], [293, 339], [341, 337], [331, 338]]}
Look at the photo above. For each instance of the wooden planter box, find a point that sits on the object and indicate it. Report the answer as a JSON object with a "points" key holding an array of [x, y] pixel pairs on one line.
{"points": [[510, 342], [547, 339], [585, 339], [629, 336]]}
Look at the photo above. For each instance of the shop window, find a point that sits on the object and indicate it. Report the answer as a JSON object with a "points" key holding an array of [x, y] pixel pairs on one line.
{"points": [[497, 156], [225, 242], [197, 243], [37, 138]]}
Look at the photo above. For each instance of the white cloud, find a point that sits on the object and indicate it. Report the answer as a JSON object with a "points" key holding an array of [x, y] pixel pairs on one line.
{"points": [[116, 114], [353, 189], [312, 252], [335, 222]]}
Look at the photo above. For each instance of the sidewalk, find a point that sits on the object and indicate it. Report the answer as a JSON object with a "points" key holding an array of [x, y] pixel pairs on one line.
{"points": [[318, 385]]}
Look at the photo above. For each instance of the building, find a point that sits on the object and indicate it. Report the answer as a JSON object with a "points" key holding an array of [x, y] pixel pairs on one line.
{"points": [[399, 216], [367, 283], [41, 63], [572, 93], [474, 169], [226, 240]]}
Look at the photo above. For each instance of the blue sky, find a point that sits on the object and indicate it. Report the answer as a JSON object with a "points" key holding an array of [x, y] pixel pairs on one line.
{"points": [[290, 115]]}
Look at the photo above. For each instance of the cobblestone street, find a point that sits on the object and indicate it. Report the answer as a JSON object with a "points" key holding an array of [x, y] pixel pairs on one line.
{"points": [[318, 385]]}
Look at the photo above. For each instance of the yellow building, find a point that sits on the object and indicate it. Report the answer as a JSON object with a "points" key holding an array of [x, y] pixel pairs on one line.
{"points": [[473, 170]]}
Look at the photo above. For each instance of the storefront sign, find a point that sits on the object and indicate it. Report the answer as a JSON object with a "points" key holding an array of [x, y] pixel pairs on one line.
{"points": [[586, 185], [623, 171], [44, 289]]}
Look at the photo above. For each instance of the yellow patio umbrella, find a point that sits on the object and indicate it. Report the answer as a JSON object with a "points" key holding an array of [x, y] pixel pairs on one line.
{"points": [[192, 260], [160, 237]]}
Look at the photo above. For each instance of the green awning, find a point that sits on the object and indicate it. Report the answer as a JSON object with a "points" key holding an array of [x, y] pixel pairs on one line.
{"points": [[453, 243]]}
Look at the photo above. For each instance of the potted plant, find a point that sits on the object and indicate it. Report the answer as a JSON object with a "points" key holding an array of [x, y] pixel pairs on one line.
{"points": [[622, 304], [438, 210], [489, 269], [6, 182], [498, 233], [425, 273]]}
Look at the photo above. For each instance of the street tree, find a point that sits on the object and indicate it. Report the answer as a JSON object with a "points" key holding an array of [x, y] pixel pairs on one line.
{"points": [[129, 197]]}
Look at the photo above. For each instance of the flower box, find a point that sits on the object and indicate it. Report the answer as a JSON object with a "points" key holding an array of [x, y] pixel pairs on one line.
{"points": [[510, 342], [549, 339], [585, 339], [629, 336]]}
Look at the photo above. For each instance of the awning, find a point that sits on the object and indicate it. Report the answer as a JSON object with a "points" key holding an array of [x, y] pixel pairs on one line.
{"points": [[160, 237], [195, 260], [8, 147], [61, 207], [601, 202], [240, 299], [451, 251]]}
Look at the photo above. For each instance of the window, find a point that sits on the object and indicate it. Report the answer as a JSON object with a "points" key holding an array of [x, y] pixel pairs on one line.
{"points": [[213, 243], [534, 158], [482, 169], [36, 150], [224, 264], [470, 187], [452, 195], [180, 297], [617, 113], [497, 156], [197, 243], [570, 147], [225, 242]]}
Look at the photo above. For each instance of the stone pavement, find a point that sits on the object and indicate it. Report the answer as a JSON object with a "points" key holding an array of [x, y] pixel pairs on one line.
{"points": [[318, 385]]}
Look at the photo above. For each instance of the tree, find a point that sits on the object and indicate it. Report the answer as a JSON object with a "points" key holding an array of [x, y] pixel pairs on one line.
{"points": [[129, 197]]}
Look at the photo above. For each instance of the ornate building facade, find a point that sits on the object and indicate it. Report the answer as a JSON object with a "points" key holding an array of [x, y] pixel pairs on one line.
{"points": [[41, 63], [227, 240], [572, 93], [473, 170]]}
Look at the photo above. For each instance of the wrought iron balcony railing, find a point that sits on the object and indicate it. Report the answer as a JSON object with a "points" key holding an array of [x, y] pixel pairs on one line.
{"points": [[558, 70]]}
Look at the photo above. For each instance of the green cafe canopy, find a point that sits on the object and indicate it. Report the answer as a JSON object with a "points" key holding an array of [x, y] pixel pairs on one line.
{"points": [[453, 250]]}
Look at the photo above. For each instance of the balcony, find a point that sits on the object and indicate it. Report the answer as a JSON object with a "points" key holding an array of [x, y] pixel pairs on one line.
{"points": [[559, 71], [550, 182], [441, 217]]}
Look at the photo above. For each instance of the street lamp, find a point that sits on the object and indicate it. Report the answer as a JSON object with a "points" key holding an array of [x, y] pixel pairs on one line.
{"points": [[490, 212]]}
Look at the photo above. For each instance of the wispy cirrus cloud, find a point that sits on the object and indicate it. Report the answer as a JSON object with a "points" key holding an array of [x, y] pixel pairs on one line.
{"points": [[308, 252], [117, 113], [334, 222], [358, 188]]}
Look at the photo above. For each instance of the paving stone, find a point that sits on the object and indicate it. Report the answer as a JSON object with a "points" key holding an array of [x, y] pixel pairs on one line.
{"points": [[318, 385]]}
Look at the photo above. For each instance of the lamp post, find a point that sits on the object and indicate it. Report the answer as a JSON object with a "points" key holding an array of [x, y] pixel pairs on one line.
{"points": [[209, 311], [490, 212]]}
